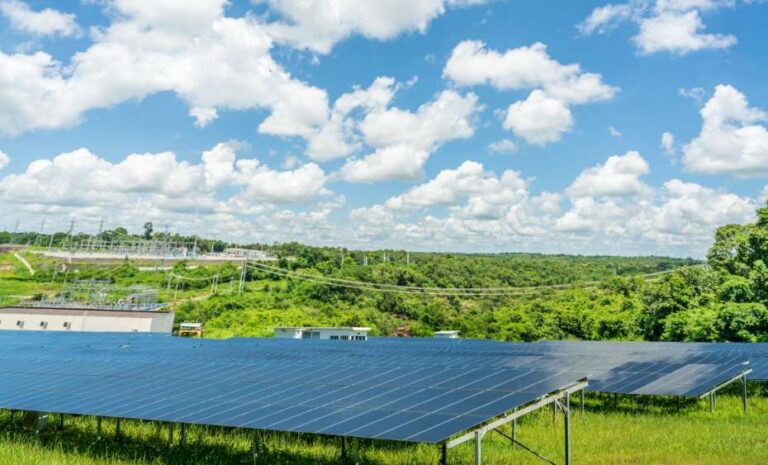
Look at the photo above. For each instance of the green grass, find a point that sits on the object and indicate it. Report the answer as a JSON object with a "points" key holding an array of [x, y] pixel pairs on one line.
{"points": [[633, 433]]}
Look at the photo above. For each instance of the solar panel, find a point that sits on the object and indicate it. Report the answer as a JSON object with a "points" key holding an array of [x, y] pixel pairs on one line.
{"points": [[381, 390]]}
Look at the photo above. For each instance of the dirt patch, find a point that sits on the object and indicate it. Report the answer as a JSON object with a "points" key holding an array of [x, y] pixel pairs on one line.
{"points": [[4, 267]]}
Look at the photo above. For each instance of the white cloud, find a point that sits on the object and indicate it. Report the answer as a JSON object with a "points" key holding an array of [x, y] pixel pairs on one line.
{"points": [[82, 179], [731, 140], [614, 132], [678, 33], [546, 114], [446, 118], [673, 26], [46, 22], [619, 175], [502, 146], [668, 143], [395, 162], [486, 193], [403, 140], [539, 119], [4, 160], [604, 18], [471, 64], [318, 25], [157, 46], [697, 210]]}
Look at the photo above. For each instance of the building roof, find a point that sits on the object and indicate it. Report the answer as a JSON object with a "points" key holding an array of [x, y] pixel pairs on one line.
{"points": [[78, 312]]}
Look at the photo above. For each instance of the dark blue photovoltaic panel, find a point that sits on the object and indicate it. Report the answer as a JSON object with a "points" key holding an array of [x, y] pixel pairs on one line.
{"points": [[384, 389]]}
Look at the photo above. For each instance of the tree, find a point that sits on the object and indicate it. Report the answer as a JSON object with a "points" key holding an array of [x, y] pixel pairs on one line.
{"points": [[148, 230]]}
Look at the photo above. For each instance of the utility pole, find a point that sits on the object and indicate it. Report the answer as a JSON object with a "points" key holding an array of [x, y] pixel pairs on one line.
{"points": [[69, 232], [15, 232], [40, 234], [242, 278]]}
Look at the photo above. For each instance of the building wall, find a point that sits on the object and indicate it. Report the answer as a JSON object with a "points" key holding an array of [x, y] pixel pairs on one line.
{"points": [[163, 322], [324, 333]]}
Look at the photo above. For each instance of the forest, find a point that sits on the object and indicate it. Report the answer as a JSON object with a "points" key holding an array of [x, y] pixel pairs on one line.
{"points": [[589, 298]]}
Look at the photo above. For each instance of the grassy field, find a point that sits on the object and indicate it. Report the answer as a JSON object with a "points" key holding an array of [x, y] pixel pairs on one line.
{"points": [[634, 432]]}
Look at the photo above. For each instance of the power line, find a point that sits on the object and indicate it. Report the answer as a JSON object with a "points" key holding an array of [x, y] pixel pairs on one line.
{"points": [[437, 291]]}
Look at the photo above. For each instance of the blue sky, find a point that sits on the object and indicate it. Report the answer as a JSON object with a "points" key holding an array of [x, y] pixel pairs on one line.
{"points": [[493, 125]]}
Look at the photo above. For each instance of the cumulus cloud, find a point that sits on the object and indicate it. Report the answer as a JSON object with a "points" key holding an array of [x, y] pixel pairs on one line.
{"points": [[81, 178], [619, 175], [545, 115], [403, 140], [673, 26], [318, 25], [609, 210], [210, 61], [486, 193], [46, 22], [539, 119], [732, 140], [396, 162], [4, 160]]}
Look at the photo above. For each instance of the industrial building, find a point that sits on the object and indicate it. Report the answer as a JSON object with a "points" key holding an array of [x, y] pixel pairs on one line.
{"points": [[22, 318], [333, 334]]}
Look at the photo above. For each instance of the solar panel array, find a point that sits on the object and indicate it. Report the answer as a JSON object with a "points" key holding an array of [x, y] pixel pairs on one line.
{"points": [[382, 390], [418, 390]]}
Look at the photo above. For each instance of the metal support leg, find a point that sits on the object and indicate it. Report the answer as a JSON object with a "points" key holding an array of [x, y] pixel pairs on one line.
{"points": [[61, 421], [170, 436], [581, 400], [744, 393], [183, 435], [343, 449], [554, 413], [567, 422], [711, 402], [478, 448], [444, 455], [117, 429], [255, 446], [98, 427]]}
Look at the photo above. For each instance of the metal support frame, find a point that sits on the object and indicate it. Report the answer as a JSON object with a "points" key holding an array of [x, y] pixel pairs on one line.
{"points": [[61, 422], [552, 398], [183, 435], [117, 429], [581, 400], [712, 394], [98, 427]]}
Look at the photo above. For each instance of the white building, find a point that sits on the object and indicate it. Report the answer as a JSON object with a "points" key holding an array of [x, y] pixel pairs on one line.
{"points": [[76, 319], [446, 335], [334, 334]]}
